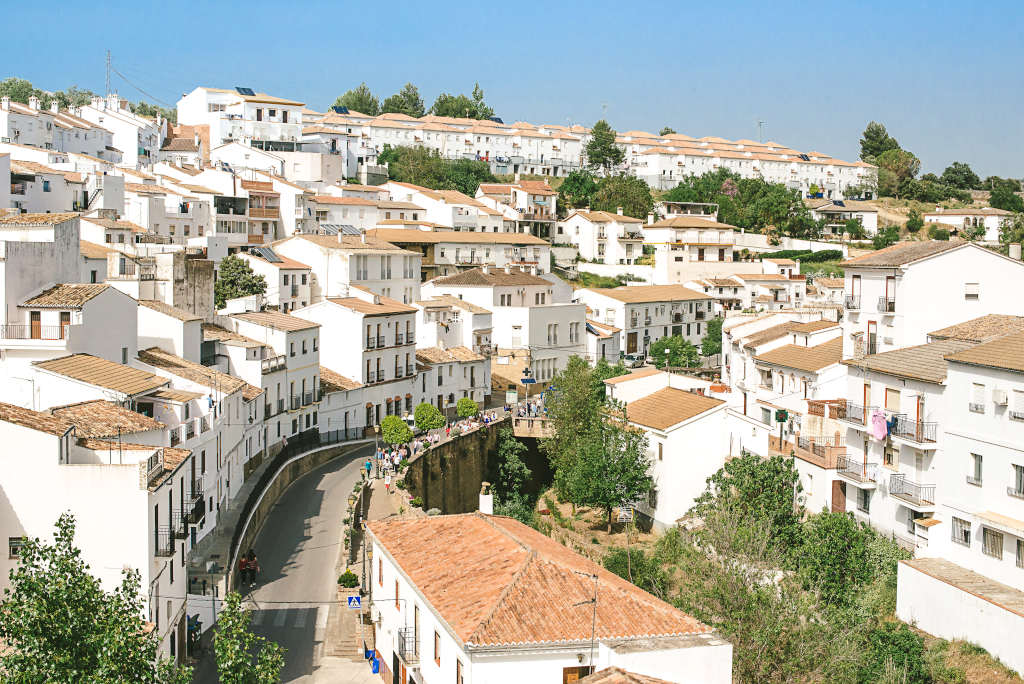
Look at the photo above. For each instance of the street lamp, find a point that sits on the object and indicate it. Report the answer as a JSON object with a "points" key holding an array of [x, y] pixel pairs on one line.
{"points": [[376, 447], [667, 353]]}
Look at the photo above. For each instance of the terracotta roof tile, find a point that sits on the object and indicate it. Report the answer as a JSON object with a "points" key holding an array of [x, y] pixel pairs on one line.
{"points": [[168, 310], [179, 395], [644, 372], [91, 250], [452, 300], [494, 276], [768, 335], [102, 418], [616, 675], [383, 307], [348, 242], [495, 581], [448, 355], [603, 217], [412, 235], [1005, 352], [276, 320], [690, 222], [810, 359], [903, 253], [640, 294], [42, 422], [834, 283], [37, 219], [93, 370], [199, 374], [65, 296], [812, 326], [331, 381], [216, 333], [667, 407], [921, 362], [980, 329]]}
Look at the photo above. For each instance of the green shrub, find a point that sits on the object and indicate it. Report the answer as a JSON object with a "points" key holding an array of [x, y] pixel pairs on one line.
{"points": [[645, 570], [400, 484], [936, 233], [417, 502], [466, 407], [899, 646], [348, 579]]}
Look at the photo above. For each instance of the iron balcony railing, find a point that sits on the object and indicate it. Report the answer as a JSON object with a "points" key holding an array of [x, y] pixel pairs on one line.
{"points": [[398, 371], [175, 436], [274, 363], [155, 463], [857, 469], [852, 302], [910, 491], [854, 413], [371, 342], [399, 338], [196, 504], [916, 430], [164, 542], [21, 331], [280, 405], [820, 445], [371, 377], [887, 304], [408, 645], [179, 525], [295, 402], [410, 370]]}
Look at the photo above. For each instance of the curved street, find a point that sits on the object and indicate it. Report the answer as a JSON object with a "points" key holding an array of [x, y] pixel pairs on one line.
{"points": [[297, 551]]}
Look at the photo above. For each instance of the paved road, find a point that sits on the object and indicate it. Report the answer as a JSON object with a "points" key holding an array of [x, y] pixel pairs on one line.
{"points": [[297, 549]]}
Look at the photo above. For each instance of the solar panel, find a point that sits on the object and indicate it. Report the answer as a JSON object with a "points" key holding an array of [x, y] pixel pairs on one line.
{"points": [[838, 203], [268, 254], [244, 91], [338, 109], [338, 229]]}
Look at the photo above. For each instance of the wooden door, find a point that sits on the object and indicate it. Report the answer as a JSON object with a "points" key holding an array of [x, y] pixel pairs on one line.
{"points": [[575, 674], [838, 496], [36, 324], [65, 321], [631, 343]]}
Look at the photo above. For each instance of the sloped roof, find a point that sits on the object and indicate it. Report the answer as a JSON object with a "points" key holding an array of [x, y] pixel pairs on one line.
{"points": [[921, 362], [768, 335], [980, 329], [1004, 352], [276, 320], [197, 373], [345, 242], [810, 359], [168, 310], [494, 276], [93, 370], [35, 420], [644, 372], [447, 355], [102, 418], [65, 296], [639, 294], [332, 381], [384, 306], [603, 217], [903, 253], [452, 300], [616, 675], [812, 326], [495, 581], [667, 407], [37, 219], [91, 250], [401, 235], [691, 222], [216, 333]]}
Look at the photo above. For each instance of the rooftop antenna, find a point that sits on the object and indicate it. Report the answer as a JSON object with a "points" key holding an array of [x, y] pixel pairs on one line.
{"points": [[108, 73], [760, 130]]}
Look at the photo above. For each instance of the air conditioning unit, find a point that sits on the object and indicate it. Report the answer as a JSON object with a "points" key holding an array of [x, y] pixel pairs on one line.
{"points": [[999, 397]]}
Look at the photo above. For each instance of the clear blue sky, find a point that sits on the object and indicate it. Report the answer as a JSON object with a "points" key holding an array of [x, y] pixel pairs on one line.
{"points": [[944, 77]]}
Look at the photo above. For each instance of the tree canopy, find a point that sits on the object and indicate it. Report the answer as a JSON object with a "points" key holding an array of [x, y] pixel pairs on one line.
{"points": [[466, 407], [629, 192], [674, 351], [235, 278], [960, 175], [712, 342], [359, 99], [875, 141], [59, 625], [394, 430], [462, 107], [602, 152], [242, 657], [406, 101], [428, 417], [425, 167], [901, 164], [1002, 197], [666, 130], [509, 491], [577, 190], [914, 221]]}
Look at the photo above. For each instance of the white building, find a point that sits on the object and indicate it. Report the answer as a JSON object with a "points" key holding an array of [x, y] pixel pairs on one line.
{"points": [[288, 285], [604, 341], [449, 321], [37, 188], [965, 218], [489, 616], [646, 313], [837, 213], [603, 237], [241, 115], [532, 204], [525, 315], [446, 252], [454, 373], [894, 296], [137, 138]]}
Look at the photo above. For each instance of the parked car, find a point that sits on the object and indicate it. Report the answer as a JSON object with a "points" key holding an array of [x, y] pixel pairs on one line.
{"points": [[634, 360]]}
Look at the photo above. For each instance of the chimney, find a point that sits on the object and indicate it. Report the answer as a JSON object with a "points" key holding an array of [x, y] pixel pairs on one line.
{"points": [[54, 106], [486, 499], [486, 269], [618, 210], [33, 102], [650, 219], [508, 268], [5, 103], [1015, 251], [516, 178]]}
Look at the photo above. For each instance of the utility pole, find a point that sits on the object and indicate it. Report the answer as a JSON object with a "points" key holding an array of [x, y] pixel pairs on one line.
{"points": [[108, 73], [760, 130]]}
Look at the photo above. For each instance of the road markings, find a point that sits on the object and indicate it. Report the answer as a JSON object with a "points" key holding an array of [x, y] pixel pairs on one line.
{"points": [[321, 617], [300, 619], [280, 618]]}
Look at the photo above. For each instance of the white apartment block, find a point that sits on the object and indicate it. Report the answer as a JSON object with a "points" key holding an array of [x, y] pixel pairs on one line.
{"points": [[446, 252], [340, 261], [137, 138], [691, 247], [52, 129], [526, 315], [447, 208], [894, 296], [532, 204], [427, 572], [646, 313], [241, 115], [288, 281], [454, 373], [604, 341], [447, 321], [603, 237]]}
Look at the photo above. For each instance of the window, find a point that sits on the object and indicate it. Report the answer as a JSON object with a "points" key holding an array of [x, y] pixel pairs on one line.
{"points": [[303, 346], [92, 276], [864, 500], [889, 457], [766, 416], [437, 648], [977, 404], [1018, 482], [976, 469], [972, 291], [398, 606], [14, 545], [458, 671], [124, 355], [961, 531], [1020, 553], [661, 450], [380, 571], [46, 186], [992, 543], [291, 349], [1017, 408], [892, 399]]}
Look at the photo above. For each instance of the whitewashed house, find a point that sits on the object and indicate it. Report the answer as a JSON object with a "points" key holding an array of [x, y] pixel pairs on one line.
{"points": [[603, 237], [288, 281], [965, 218], [446, 252]]}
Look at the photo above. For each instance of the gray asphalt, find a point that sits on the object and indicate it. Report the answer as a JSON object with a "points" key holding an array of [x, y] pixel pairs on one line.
{"points": [[297, 551]]}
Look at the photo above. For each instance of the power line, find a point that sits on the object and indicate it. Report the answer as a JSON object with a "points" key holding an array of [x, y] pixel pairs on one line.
{"points": [[149, 95]]}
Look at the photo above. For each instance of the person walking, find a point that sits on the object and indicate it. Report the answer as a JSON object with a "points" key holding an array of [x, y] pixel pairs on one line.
{"points": [[368, 466], [387, 482]]}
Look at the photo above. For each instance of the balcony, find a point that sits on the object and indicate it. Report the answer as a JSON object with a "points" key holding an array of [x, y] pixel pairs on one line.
{"points": [[163, 540], [175, 436], [398, 372], [380, 341], [371, 343], [482, 349], [917, 497], [267, 212], [855, 414], [280, 405], [408, 645], [631, 236], [852, 302], [296, 402], [410, 370], [295, 291], [179, 525], [647, 320], [19, 331], [155, 464], [676, 318], [857, 472], [918, 433], [307, 398], [371, 377], [190, 429], [699, 315], [887, 304], [196, 506], [975, 408]]}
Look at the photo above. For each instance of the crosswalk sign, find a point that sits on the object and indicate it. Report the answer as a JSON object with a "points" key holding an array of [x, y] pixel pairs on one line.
{"points": [[355, 602]]}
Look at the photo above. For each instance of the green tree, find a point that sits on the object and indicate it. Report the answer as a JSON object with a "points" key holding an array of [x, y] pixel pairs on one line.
{"points": [[428, 417], [641, 569], [914, 221], [612, 466], [150, 110], [629, 192], [602, 151], [235, 278], [577, 190], [935, 232], [394, 430], [605, 371], [466, 407], [712, 342], [854, 228], [674, 351], [876, 141], [833, 555], [242, 657], [511, 498], [1012, 230], [762, 491], [885, 237], [425, 167], [359, 99], [1002, 197], [18, 89], [462, 107], [993, 182], [901, 164], [406, 101], [58, 624], [960, 175], [573, 406], [893, 646], [666, 130]]}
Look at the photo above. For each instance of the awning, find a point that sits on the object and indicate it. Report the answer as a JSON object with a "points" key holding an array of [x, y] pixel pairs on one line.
{"points": [[1002, 522], [388, 400], [369, 404], [398, 398], [408, 396]]}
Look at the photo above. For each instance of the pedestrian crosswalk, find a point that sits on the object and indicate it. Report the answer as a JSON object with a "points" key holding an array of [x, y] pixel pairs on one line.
{"points": [[286, 617]]}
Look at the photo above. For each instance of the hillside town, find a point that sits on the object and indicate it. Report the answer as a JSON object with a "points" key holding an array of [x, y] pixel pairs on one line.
{"points": [[246, 355]]}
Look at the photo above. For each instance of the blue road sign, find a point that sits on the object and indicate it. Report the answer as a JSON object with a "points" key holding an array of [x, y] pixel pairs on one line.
{"points": [[354, 602], [528, 381]]}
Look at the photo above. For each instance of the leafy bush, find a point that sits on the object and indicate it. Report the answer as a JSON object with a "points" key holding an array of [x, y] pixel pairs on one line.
{"points": [[427, 417], [936, 233], [348, 579], [417, 502], [895, 646], [885, 237], [832, 557], [466, 407], [394, 430], [636, 566]]}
